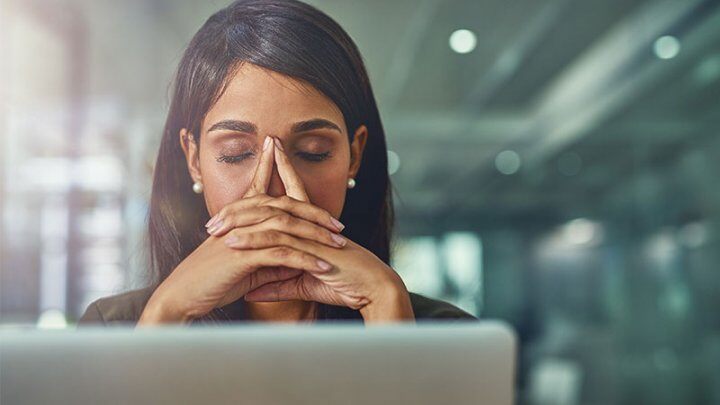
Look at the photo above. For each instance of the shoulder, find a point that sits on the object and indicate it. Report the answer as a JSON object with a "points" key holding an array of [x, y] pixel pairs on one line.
{"points": [[127, 307], [428, 309], [117, 309]]}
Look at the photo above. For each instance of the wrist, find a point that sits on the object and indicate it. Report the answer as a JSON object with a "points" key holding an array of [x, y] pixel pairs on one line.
{"points": [[392, 304], [160, 310]]}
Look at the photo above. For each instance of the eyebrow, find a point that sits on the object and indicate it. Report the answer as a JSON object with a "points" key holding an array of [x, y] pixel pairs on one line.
{"points": [[234, 125], [250, 128]]}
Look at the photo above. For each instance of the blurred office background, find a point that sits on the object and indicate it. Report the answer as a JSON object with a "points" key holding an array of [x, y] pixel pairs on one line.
{"points": [[555, 163]]}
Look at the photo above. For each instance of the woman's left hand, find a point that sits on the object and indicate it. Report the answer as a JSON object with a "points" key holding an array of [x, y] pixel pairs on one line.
{"points": [[357, 279]]}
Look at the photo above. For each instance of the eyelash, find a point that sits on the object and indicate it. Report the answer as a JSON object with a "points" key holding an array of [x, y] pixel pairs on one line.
{"points": [[314, 157], [234, 159], [310, 157]]}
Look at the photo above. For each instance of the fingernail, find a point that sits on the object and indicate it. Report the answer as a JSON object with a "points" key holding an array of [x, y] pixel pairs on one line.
{"points": [[338, 239], [210, 221], [215, 227], [267, 143], [279, 145], [337, 224], [231, 240], [324, 265]]}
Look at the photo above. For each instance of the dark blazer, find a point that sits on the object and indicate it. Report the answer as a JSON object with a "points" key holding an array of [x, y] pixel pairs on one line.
{"points": [[126, 308]]}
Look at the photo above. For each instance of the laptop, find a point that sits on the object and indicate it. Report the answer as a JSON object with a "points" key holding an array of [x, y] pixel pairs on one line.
{"points": [[426, 363]]}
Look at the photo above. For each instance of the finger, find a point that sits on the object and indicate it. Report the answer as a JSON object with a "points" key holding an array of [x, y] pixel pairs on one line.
{"points": [[263, 172], [234, 208], [288, 224], [265, 275], [236, 218], [291, 289], [282, 256], [244, 239], [242, 215], [304, 287], [262, 276], [294, 186], [305, 210]]}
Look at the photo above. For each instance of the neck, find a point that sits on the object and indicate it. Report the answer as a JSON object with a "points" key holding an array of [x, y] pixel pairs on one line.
{"points": [[284, 311]]}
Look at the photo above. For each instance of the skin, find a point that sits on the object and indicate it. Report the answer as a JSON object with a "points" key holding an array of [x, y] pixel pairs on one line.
{"points": [[272, 206]]}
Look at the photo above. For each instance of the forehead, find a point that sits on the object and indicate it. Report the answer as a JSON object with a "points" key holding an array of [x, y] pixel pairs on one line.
{"points": [[271, 100]]}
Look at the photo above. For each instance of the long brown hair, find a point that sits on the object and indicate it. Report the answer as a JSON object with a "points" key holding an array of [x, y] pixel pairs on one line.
{"points": [[294, 39]]}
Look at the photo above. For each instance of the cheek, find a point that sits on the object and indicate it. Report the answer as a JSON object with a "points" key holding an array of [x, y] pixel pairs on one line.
{"points": [[326, 186], [224, 184]]}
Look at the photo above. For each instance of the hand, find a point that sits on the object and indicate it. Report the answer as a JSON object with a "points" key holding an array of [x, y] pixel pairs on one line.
{"points": [[215, 275], [258, 213], [357, 279]]}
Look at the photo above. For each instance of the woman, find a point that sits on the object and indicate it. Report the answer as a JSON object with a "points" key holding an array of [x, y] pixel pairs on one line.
{"points": [[272, 134]]}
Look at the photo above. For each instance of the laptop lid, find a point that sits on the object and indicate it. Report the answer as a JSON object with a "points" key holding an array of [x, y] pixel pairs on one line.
{"points": [[450, 363]]}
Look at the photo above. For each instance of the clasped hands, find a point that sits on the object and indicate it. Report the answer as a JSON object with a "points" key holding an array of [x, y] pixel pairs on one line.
{"points": [[280, 248]]}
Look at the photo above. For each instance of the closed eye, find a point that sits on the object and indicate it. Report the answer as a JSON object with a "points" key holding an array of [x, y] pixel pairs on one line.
{"points": [[234, 159], [310, 157], [314, 157]]}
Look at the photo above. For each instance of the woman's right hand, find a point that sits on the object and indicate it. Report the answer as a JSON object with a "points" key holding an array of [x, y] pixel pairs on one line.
{"points": [[214, 274]]}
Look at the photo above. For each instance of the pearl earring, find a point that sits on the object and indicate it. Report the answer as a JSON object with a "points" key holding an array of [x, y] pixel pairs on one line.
{"points": [[351, 183], [198, 187]]}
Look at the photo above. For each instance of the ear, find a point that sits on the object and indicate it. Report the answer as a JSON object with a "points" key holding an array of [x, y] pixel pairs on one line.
{"points": [[189, 145], [356, 150]]}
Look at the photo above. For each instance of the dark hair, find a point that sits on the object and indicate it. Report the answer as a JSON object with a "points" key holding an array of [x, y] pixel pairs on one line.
{"points": [[291, 38]]}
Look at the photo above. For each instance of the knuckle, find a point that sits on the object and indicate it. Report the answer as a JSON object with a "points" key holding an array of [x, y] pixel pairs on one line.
{"points": [[260, 200], [307, 259], [282, 252], [273, 237], [320, 213], [285, 219], [248, 238], [227, 211], [268, 211]]}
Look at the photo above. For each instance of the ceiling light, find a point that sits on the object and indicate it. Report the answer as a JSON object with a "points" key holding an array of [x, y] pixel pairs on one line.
{"points": [[666, 47], [463, 41], [508, 162]]}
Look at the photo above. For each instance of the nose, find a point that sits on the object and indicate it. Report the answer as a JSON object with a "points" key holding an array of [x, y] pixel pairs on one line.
{"points": [[276, 188]]}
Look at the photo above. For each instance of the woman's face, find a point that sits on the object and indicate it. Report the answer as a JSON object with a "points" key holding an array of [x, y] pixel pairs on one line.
{"points": [[259, 103]]}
